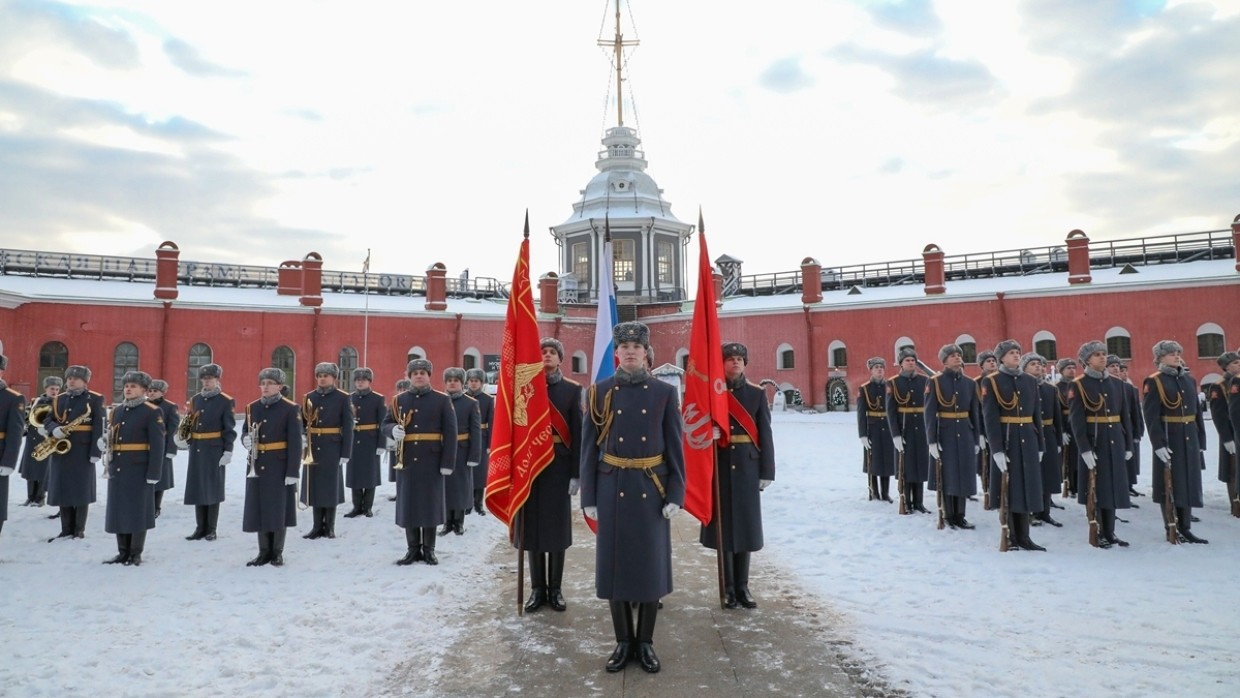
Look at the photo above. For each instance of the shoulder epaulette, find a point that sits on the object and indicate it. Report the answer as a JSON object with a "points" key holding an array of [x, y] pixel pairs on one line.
{"points": [[152, 405], [753, 385], [570, 381], [440, 392], [226, 396], [380, 395], [341, 391], [1153, 375], [469, 397], [290, 402], [15, 392], [91, 392]]}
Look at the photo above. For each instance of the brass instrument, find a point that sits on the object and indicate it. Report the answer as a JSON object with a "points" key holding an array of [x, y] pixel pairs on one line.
{"points": [[109, 441], [251, 461], [307, 450], [51, 444], [403, 420], [186, 428], [38, 414]]}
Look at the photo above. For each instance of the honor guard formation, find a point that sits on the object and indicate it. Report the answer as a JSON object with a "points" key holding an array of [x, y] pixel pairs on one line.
{"points": [[1009, 437]]}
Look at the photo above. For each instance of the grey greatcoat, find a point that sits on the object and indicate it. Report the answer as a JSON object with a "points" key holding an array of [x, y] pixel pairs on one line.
{"points": [[1053, 426], [1216, 397], [369, 409], [906, 407], [1073, 456], [275, 431], [71, 477], [1012, 408], [135, 455], [37, 469], [328, 416], [172, 419], [953, 421], [639, 417], [872, 422], [459, 486], [546, 519], [486, 412], [214, 432], [739, 467], [1137, 421], [12, 418], [387, 437], [429, 446], [1096, 410], [1173, 416]]}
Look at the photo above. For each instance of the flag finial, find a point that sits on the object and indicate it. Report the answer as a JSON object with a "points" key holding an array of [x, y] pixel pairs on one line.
{"points": [[607, 227], [527, 224], [701, 223]]}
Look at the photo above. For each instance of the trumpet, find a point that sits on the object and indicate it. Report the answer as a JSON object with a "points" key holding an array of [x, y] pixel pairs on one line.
{"points": [[403, 420], [51, 444], [307, 451], [252, 458]]}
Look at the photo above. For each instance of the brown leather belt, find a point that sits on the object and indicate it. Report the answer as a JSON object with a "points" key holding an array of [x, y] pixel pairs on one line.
{"points": [[462, 437], [740, 439]]}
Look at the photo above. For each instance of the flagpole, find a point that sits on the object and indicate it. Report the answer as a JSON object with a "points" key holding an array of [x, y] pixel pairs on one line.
{"points": [[723, 583], [366, 312], [521, 533]]}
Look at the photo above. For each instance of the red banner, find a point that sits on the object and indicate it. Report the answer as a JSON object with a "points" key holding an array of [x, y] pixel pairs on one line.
{"points": [[706, 402], [521, 443]]}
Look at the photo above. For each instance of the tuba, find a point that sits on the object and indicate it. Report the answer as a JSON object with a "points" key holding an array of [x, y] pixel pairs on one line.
{"points": [[51, 444], [186, 428], [38, 414]]}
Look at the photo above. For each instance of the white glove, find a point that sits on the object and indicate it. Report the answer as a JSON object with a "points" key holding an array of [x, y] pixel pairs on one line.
{"points": [[1164, 454], [42, 430], [169, 456], [715, 433], [1127, 455], [1000, 461], [670, 509], [445, 471], [573, 486], [471, 463], [181, 443], [1067, 438], [380, 451], [763, 484], [590, 512], [102, 443], [344, 462], [898, 441], [981, 443], [1091, 461], [59, 432], [865, 443], [103, 475], [290, 481], [398, 432], [247, 440], [225, 458], [94, 460], [1040, 454], [5, 472], [152, 482], [1230, 447], [934, 451]]}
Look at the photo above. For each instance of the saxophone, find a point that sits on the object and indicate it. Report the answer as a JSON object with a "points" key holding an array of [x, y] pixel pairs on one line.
{"points": [[51, 444]]}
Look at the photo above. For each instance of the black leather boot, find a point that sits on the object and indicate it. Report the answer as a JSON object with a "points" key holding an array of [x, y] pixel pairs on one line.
{"points": [[479, 504], [428, 546], [740, 566], [200, 518], [538, 581], [729, 581], [213, 518], [264, 551], [1108, 529], [137, 542], [962, 504], [646, 614], [1025, 542], [316, 531], [413, 542], [277, 547], [555, 577], [873, 493], [368, 502], [329, 522], [884, 484], [1185, 516], [79, 520], [122, 548], [159, 502], [356, 511], [1045, 515], [447, 525], [919, 492], [622, 623], [66, 524]]}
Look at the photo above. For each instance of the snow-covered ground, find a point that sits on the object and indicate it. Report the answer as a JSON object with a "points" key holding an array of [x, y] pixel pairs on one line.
{"points": [[942, 612]]}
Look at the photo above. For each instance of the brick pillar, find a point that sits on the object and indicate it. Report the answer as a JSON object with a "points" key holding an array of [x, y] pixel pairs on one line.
{"points": [[1235, 239], [936, 274], [288, 278], [717, 280], [1078, 258], [312, 280], [437, 287], [811, 281], [549, 293], [167, 257]]}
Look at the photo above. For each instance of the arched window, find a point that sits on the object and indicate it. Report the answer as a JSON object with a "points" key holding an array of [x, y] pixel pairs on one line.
{"points": [[1119, 342], [682, 358], [347, 362], [1045, 345], [471, 359], [199, 356], [284, 359], [1210, 341], [578, 364], [124, 359], [902, 343], [53, 360], [785, 357], [968, 348], [837, 355]]}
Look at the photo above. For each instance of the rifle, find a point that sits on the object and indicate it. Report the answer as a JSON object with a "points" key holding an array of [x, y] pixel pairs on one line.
{"points": [[1091, 508], [900, 483], [1169, 515], [869, 476], [985, 468], [938, 474], [1063, 468], [1235, 487], [1004, 515]]}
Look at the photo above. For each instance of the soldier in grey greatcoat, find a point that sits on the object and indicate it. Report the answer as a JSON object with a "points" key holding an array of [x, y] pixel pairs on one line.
{"points": [[988, 364], [1052, 425], [211, 433], [744, 467], [475, 387], [953, 423], [459, 486], [363, 475], [544, 526], [327, 413], [272, 435], [78, 416], [423, 424], [1132, 403], [632, 482], [1177, 434], [133, 463], [1216, 398], [35, 471], [1012, 408], [879, 463], [1099, 429], [172, 420], [906, 407], [12, 423], [1067, 369], [401, 386]]}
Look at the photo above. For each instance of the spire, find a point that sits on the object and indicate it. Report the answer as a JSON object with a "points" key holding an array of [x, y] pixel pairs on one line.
{"points": [[617, 44]]}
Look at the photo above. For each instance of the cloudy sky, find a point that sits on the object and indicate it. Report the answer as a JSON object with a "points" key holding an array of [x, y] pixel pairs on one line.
{"points": [[851, 131]]}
